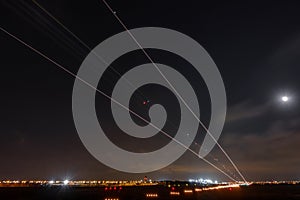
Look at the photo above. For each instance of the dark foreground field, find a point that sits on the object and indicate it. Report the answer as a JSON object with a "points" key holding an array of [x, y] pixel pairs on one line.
{"points": [[260, 192]]}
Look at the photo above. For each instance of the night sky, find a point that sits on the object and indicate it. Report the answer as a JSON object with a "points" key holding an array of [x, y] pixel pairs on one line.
{"points": [[255, 45]]}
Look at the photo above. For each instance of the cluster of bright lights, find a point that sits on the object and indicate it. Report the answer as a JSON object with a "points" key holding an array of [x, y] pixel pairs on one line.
{"points": [[151, 195], [11, 182], [66, 182], [113, 188], [111, 199], [222, 187], [175, 193], [203, 181], [188, 191]]}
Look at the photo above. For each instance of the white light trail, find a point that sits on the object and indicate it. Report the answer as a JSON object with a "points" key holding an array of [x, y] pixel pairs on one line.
{"points": [[101, 58], [180, 97], [113, 100]]}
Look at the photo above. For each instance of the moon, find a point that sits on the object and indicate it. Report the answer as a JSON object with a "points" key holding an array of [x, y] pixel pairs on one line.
{"points": [[284, 98]]}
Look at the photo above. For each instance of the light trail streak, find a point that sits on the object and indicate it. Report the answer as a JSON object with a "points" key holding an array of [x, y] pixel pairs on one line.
{"points": [[91, 50], [84, 44], [180, 97], [113, 100]]}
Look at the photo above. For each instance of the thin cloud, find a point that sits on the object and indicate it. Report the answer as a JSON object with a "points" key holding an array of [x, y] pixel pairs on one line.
{"points": [[245, 110], [271, 153]]}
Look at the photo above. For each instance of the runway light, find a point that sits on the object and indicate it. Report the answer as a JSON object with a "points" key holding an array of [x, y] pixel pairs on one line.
{"points": [[66, 182], [174, 193], [222, 187], [51, 182], [188, 191], [151, 195]]}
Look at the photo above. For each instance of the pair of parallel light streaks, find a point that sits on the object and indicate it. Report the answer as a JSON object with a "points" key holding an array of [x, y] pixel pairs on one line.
{"points": [[78, 39], [180, 97], [88, 84], [85, 82]]}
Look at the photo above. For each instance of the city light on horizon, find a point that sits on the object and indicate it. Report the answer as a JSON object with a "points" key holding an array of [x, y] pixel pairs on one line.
{"points": [[66, 182]]}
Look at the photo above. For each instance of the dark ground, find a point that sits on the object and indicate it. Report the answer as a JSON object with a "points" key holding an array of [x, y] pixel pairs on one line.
{"points": [[260, 192]]}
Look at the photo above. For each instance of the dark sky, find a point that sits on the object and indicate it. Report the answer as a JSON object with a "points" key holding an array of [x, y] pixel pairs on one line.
{"points": [[255, 45]]}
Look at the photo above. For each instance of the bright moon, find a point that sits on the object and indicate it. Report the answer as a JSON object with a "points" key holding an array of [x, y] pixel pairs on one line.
{"points": [[284, 98]]}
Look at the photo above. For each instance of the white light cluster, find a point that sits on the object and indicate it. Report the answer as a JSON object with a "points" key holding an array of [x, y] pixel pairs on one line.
{"points": [[203, 181]]}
